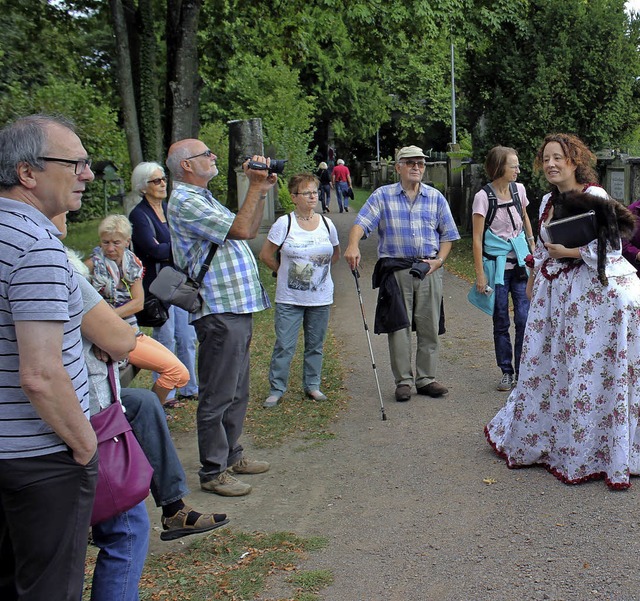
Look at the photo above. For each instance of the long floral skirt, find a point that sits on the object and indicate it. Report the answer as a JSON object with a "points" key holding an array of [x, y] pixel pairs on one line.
{"points": [[576, 404]]}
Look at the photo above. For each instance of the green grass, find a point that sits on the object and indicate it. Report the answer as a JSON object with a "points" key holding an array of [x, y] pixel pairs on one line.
{"points": [[226, 566], [460, 260]]}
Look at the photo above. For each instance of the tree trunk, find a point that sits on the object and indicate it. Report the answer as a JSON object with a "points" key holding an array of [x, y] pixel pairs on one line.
{"points": [[148, 93], [125, 82], [183, 80]]}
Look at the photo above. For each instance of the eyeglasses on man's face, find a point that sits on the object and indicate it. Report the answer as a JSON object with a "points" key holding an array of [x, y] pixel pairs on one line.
{"points": [[207, 153], [411, 164], [310, 194], [80, 164], [158, 180]]}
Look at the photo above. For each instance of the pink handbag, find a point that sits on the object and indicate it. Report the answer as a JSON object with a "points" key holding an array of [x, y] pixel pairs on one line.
{"points": [[124, 473]]}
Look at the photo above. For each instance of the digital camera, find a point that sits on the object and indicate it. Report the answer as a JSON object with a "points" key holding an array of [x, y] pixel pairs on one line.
{"points": [[276, 165]]}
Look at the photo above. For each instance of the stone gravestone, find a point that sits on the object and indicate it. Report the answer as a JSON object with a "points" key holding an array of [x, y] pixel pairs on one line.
{"points": [[245, 140]]}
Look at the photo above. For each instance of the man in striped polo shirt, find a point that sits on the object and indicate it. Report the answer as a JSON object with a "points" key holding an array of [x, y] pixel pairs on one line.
{"points": [[48, 460], [231, 292]]}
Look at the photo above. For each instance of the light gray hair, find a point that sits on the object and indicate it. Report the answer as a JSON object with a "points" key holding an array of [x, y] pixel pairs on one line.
{"points": [[141, 174], [24, 141], [174, 162]]}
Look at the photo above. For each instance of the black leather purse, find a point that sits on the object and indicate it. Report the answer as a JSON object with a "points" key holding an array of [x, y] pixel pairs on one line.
{"points": [[154, 314]]}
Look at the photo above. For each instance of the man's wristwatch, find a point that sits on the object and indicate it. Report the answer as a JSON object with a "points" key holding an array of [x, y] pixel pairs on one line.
{"points": [[441, 261]]}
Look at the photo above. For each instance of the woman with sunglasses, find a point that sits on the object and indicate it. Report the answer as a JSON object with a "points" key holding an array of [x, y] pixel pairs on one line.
{"points": [[301, 247], [152, 245]]}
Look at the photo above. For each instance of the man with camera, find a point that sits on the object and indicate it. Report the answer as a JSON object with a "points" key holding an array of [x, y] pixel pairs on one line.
{"points": [[415, 234], [231, 292]]}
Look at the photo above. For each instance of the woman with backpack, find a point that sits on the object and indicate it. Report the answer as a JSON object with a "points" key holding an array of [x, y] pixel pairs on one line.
{"points": [[502, 237], [300, 247]]}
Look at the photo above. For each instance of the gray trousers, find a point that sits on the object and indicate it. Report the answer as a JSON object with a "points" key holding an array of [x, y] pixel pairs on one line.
{"points": [[422, 300], [223, 373]]}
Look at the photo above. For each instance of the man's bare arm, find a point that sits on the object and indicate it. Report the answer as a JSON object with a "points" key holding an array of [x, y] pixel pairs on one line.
{"points": [[107, 331], [247, 222], [49, 388], [352, 252]]}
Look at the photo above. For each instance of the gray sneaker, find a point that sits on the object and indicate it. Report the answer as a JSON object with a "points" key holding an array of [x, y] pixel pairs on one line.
{"points": [[271, 401], [225, 485], [507, 383]]}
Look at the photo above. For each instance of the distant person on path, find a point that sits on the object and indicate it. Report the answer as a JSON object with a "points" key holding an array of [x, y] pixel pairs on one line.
{"points": [[576, 404], [48, 459], [231, 292], [152, 245], [324, 187], [309, 246], [415, 230], [494, 253], [341, 181]]}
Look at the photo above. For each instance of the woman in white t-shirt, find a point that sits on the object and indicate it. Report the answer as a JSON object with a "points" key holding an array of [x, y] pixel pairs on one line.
{"points": [[505, 222], [301, 247]]}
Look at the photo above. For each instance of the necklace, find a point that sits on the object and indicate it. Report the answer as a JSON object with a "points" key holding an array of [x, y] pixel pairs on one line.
{"points": [[305, 218]]}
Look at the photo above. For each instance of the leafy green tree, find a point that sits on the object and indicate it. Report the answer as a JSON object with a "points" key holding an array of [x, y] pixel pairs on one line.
{"points": [[571, 68]]}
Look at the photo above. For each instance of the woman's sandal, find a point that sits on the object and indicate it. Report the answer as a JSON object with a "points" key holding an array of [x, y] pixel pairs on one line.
{"points": [[174, 404]]}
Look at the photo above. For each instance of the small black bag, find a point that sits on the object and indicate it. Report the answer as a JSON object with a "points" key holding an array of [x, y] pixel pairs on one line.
{"points": [[154, 314], [520, 272]]}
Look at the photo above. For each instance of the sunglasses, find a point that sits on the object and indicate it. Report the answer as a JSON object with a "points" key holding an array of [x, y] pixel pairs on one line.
{"points": [[207, 153], [157, 181]]}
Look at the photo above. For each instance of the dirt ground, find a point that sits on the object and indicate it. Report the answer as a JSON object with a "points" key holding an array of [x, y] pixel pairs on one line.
{"points": [[418, 507]]}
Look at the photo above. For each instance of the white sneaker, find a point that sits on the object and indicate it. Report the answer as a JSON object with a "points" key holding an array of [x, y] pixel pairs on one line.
{"points": [[507, 383]]}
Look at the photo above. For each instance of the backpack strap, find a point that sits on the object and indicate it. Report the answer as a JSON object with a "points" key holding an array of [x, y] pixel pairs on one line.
{"points": [[515, 197], [493, 206], [286, 235], [326, 223]]}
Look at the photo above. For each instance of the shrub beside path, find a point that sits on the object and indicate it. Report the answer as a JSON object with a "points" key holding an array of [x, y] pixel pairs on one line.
{"points": [[418, 507]]}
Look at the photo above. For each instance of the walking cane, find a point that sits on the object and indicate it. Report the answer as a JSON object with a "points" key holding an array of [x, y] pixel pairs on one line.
{"points": [[356, 276]]}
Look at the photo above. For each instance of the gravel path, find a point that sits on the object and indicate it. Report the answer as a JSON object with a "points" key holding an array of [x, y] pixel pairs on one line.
{"points": [[418, 507]]}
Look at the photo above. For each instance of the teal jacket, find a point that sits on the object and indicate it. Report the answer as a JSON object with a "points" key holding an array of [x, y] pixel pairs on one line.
{"points": [[494, 268]]}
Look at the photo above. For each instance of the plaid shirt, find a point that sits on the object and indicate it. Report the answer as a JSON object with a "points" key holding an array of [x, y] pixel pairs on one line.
{"points": [[408, 229], [232, 284]]}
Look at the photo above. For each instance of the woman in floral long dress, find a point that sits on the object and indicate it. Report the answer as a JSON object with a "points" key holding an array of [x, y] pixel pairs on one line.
{"points": [[575, 408]]}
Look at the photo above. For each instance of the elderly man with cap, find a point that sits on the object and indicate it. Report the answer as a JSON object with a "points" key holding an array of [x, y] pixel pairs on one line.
{"points": [[415, 234]]}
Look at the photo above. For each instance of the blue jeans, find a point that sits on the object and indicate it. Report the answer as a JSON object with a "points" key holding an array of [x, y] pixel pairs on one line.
{"points": [[149, 424], [324, 191], [287, 322], [341, 195], [180, 338], [501, 323], [123, 542]]}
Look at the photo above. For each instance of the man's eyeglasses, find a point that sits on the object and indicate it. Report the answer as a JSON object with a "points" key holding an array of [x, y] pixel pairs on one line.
{"points": [[80, 165], [307, 194], [412, 164], [157, 181], [207, 153]]}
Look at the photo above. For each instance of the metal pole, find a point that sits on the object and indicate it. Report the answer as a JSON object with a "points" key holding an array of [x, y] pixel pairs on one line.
{"points": [[453, 96]]}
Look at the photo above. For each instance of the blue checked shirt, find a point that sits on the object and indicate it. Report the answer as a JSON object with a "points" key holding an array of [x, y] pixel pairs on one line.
{"points": [[408, 229], [232, 284]]}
